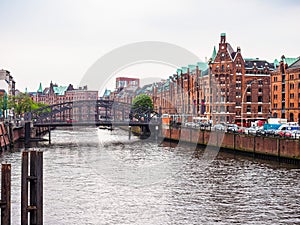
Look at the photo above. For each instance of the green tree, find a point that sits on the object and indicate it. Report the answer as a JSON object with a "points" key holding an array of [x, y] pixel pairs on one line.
{"points": [[142, 106], [142, 101], [23, 103]]}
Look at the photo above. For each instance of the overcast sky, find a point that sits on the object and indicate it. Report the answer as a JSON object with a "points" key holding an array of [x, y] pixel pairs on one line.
{"points": [[59, 40]]}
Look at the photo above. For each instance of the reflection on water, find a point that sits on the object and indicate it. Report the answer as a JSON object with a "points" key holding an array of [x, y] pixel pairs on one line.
{"points": [[94, 176]]}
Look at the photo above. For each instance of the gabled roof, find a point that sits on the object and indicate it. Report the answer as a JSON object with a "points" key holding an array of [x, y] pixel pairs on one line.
{"points": [[60, 90], [290, 61], [296, 64]]}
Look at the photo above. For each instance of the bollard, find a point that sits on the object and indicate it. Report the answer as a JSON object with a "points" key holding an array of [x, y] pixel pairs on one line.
{"points": [[5, 194]]}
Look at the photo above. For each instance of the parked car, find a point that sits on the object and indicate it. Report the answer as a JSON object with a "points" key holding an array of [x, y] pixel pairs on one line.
{"points": [[250, 130], [232, 128], [296, 134], [218, 127], [270, 132]]}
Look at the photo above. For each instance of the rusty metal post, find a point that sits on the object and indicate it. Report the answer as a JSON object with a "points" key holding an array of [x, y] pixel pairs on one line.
{"points": [[24, 189], [5, 194]]}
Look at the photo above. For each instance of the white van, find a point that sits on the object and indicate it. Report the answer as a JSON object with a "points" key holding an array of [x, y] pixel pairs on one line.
{"points": [[289, 127]]}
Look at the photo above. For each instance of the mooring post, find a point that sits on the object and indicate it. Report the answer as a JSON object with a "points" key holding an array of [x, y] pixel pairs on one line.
{"points": [[129, 132], [49, 130], [27, 133], [24, 189], [5, 194], [39, 187], [35, 179], [33, 186]]}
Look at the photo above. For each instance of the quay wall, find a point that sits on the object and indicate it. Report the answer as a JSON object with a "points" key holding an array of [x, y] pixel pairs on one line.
{"points": [[10, 134], [276, 148]]}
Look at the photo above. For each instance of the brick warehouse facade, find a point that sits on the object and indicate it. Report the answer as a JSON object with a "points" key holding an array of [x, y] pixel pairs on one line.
{"points": [[227, 88], [286, 89], [239, 88]]}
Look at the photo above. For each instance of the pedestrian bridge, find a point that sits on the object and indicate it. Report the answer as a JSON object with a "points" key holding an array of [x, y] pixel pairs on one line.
{"points": [[92, 112]]}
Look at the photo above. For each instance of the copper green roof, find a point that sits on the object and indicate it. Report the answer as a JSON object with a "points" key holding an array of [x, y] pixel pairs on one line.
{"points": [[202, 66], [192, 67], [40, 90], [276, 63], [60, 90], [184, 70], [214, 54], [289, 61], [106, 93], [223, 34]]}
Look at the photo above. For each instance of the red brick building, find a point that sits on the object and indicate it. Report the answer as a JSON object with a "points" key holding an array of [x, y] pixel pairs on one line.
{"points": [[227, 88], [55, 94], [239, 87], [285, 95]]}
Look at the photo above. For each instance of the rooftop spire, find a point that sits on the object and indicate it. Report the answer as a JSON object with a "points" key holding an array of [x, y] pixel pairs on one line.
{"points": [[214, 54], [40, 90]]}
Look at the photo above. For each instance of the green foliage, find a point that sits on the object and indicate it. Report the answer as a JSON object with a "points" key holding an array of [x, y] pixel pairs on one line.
{"points": [[143, 101], [3, 104], [21, 103]]}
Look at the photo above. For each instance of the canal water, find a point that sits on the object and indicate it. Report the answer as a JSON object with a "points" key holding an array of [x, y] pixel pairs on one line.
{"points": [[94, 176]]}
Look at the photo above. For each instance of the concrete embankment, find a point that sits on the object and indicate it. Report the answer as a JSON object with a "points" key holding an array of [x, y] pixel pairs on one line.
{"points": [[273, 148]]}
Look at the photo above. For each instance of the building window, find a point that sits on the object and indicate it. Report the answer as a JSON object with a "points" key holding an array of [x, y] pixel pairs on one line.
{"points": [[248, 108], [259, 109], [275, 87], [260, 98], [275, 105], [292, 96], [275, 79], [291, 86], [292, 77], [248, 99], [291, 105]]}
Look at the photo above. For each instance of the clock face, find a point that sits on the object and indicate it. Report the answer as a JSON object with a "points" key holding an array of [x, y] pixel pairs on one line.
{"points": [[223, 54], [222, 47]]}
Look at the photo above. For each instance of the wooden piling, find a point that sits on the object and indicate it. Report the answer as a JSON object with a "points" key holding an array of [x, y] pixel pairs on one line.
{"points": [[35, 179], [27, 133], [24, 189], [5, 194], [49, 130]]}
